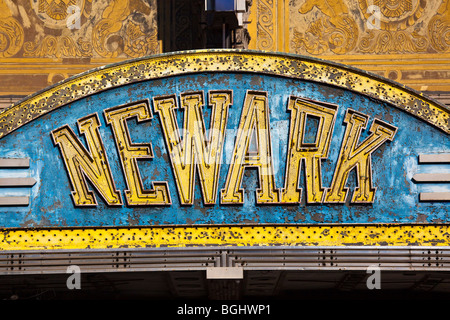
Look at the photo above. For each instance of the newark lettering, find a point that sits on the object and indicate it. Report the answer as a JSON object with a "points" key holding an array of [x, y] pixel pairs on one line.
{"points": [[197, 151]]}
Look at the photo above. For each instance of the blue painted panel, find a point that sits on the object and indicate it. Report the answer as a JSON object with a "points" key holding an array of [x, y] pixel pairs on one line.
{"points": [[393, 164]]}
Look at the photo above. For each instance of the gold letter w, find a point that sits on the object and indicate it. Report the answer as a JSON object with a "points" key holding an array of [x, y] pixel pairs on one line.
{"points": [[196, 150]]}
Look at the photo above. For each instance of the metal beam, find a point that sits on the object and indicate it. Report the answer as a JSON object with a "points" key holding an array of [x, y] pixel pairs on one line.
{"points": [[14, 201], [14, 163], [434, 196], [17, 182], [226, 262], [431, 177], [434, 158]]}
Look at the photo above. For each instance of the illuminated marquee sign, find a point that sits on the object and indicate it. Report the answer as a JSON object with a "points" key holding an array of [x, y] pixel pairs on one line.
{"points": [[200, 150], [224, 137]]}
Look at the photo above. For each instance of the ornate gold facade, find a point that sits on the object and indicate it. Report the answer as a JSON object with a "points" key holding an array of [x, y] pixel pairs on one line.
{"points": [[45, 41], [404, 40]]}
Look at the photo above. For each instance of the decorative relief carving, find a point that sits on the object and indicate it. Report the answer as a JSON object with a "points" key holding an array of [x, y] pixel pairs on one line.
{"points": [[107, 29], [394, 14], [265, 25], [11, 32], [63, 38], [54, 13], [439, 28], [342, 26], [394, 18], [138, 43], [110, 35], [58, 47], [383, 41], [335, 30], [182, 32]]}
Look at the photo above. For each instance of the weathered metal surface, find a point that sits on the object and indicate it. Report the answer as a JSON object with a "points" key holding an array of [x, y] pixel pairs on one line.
{"points": [[224, 140], [226, 262], [237, 235]]}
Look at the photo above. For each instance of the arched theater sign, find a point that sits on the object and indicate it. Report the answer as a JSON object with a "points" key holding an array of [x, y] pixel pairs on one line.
{"points": [[224, 148]]}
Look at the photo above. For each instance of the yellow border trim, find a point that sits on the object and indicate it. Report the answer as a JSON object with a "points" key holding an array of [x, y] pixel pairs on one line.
{"points": [[189, 62], [225, 235]]}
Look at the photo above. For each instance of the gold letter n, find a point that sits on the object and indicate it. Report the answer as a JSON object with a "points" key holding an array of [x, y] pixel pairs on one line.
{"points": [[81, 163]]}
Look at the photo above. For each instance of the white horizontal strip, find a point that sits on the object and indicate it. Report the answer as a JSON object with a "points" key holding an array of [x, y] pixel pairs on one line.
{"points": [[14, 201], [225, 273], [434, 196], [431, 177], [17, 182], [14, 163], [434, 158]]}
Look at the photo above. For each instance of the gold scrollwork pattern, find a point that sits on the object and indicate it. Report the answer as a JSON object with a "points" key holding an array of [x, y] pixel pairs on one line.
{"points": [[336, 31], [439, 28], [11, 32], [346, 27], [78, 29], [392, 32], [265, 23], [382, 41], [138, 43], [55, 14], [114, 34], [58, 47], [394, 14]]}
